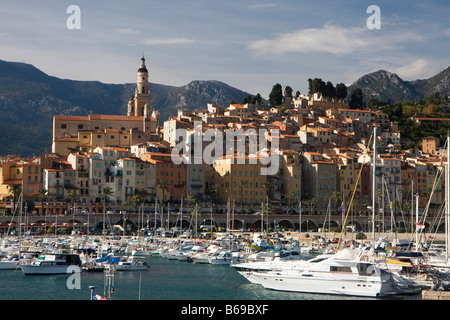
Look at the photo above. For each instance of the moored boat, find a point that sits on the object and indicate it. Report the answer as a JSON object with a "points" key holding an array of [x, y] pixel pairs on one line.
{"points": [[131, 263], [342, 274], [51, 263], [9, 263]]}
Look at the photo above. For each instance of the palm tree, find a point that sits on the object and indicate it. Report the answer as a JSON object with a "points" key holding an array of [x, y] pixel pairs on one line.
{"points": [[242, 184], [106, 192], [73, 196], [337, 197], [163, 185], [191, 198], [358, 204], [136, 201], [215, 190], [42, 195], [313, 203], [15, 190], [289, 197], [266, 185]]}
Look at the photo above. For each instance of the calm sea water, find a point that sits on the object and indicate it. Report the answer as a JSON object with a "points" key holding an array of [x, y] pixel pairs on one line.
{"points": [[163, 280]]}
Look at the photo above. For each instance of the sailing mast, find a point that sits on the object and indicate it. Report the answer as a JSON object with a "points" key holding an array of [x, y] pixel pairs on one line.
{"points": [[447, 202], [374, 183]]}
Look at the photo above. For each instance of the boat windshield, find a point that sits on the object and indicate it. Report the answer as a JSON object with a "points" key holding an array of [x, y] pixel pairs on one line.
{"points": [[367, 269], [318, 259]]}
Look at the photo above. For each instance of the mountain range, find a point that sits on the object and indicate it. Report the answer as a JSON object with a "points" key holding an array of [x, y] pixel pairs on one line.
{"points": [[384, 85], [29, 98]]}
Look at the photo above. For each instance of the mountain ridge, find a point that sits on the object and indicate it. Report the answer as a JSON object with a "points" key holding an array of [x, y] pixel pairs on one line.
{"points": [[388, 86], [29, 98]]}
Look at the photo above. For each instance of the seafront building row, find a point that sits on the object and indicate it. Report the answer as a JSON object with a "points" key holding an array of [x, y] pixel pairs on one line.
{"points": [[324, 157]]}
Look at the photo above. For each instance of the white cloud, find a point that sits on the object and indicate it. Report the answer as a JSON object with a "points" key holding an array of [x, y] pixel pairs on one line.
{"points": [[168, 41], [419, 69], [262, 6], [128, 31], [332, 39], [447, 32], [329, 39]]}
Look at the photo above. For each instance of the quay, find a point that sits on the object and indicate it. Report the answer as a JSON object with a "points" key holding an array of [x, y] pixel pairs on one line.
{"points": [[435, 295], [250, 222]]}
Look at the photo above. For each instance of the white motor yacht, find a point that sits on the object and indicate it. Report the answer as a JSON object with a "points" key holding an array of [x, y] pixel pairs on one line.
{"points": [[9, 263], [223, 257], [132, 263], [343, 273], [51, 263]]}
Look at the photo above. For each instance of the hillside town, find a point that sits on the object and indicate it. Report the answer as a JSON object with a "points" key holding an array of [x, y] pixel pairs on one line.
{"points": [[324, 154]]}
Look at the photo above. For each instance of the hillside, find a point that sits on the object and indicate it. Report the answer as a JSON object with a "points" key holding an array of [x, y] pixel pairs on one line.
{"points": [[387, 86], [29, 98]]}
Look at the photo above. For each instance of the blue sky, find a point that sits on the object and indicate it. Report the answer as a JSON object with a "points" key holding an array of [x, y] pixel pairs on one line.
{"points": [[251, 45]]}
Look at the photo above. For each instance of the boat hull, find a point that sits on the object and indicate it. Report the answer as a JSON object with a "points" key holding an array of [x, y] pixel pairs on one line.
{"points": [[220, 261], [46, 270], [130, 268], [311, 284], [9, 265]]}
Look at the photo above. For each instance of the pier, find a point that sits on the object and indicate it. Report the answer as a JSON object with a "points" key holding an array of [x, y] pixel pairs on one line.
{"points": [[248, 222]]}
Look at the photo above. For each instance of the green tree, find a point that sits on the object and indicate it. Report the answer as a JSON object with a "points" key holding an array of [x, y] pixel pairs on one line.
{"points": [[257, 99], [316, 85], [337, 197], [288, 92], [106, 193], [162, 184], [215, 190], [330, 90], [15, 190], [276, 95], [356, 99], [136, 202], [42, 195], [341, 91], [313, 203], [289, 197], [242, 184]]}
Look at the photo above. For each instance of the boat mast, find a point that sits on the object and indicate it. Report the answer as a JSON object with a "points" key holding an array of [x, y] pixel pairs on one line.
{"points": [[447, 201], [417, 222], [374, 183], [300, 219]]}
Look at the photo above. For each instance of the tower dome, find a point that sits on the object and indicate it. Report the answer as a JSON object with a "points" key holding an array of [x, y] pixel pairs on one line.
{"points": [[142, 67]]}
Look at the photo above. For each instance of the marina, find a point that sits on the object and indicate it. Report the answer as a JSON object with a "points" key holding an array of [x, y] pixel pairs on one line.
{"points": [[286, 262], [143, 268]]}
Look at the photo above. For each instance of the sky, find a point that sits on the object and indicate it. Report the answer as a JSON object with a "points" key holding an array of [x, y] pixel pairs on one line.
{"points": [[248, 44]]}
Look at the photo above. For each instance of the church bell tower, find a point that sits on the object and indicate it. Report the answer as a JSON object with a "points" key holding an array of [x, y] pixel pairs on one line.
{"points": [[142, 98]]}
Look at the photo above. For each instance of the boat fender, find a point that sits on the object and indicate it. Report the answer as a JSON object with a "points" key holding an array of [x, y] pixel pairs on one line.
{"points": [[424, 276], [364, 258]]}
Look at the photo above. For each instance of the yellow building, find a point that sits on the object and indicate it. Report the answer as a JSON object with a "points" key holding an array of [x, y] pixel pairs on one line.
{"points": [[347, 177], [24, 173], [240, 182]]}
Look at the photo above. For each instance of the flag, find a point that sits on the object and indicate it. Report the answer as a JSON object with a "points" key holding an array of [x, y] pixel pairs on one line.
{"points": [[420, 226], [97, 297]]}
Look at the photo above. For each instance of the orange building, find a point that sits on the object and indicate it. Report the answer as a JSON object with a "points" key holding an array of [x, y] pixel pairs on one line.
{"points": [[27, 174], [171, 179]]}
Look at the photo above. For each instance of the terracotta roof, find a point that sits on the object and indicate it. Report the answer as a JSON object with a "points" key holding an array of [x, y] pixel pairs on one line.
{"points": [[98, 117]]}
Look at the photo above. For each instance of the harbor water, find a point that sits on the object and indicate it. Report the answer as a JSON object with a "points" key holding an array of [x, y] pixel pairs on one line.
{"points": [[163, 280]]}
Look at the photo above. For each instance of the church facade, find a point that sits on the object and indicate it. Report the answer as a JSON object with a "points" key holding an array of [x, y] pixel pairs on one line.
{"points": [[85, 133]]}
